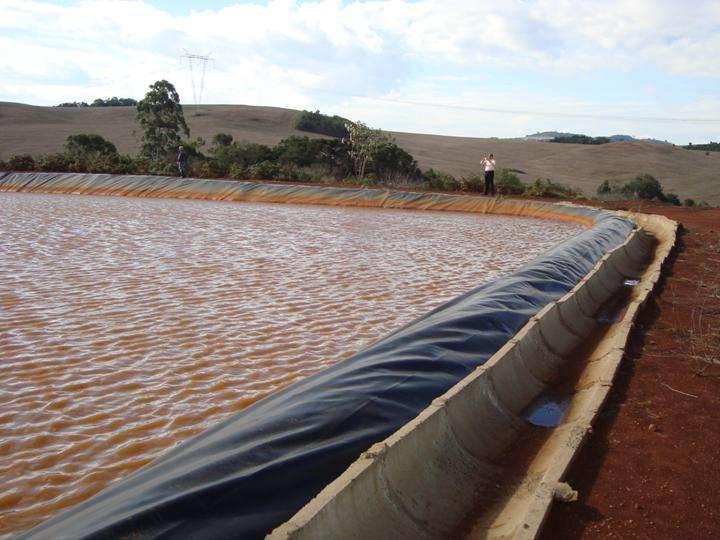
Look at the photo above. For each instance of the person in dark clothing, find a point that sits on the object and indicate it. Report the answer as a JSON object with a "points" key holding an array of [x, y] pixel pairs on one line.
{"points": [[489, 162], [182, 161]]}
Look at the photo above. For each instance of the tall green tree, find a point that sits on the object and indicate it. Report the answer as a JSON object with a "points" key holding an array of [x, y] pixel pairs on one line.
{"points": [[161, 118], [363, 144]]}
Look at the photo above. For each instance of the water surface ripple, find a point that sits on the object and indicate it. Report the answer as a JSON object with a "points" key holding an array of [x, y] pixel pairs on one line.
{"points": [[128, 325]]}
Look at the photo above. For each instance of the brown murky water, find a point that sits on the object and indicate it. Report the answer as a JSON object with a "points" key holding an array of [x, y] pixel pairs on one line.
{"points": [[129, 325]]}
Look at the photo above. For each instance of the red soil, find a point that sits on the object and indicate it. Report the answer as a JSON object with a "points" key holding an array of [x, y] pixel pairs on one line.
{"points": [[651, 469]]}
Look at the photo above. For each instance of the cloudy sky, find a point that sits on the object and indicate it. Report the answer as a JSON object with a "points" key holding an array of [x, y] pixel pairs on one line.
{"points": [[474, 68]]}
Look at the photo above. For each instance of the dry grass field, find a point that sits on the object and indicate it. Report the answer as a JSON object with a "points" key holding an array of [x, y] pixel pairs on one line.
{"points": [[689, 174]]}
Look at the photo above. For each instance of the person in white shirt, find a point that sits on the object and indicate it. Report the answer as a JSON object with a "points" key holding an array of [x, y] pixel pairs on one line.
{"points": [[489, 162]]}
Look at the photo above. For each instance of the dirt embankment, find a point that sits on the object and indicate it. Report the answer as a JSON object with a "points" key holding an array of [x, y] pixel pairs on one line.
{"points": [[652, 466]]}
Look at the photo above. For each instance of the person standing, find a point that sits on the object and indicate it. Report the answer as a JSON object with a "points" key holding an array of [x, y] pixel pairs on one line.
{"points": [[182, 161], [489, 162]]}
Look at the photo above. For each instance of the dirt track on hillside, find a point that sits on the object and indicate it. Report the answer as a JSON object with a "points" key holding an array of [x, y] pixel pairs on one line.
{"points": [[651, 469]]}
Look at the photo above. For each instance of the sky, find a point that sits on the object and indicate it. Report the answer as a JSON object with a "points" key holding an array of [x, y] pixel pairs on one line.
{"points": [[476, 68]]}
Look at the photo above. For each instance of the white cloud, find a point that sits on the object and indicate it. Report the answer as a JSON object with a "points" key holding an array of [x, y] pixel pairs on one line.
{"points": [[285, 52]]}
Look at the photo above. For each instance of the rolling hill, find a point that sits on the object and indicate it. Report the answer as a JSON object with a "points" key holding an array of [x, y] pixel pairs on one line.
{"points": [[688, 173]]}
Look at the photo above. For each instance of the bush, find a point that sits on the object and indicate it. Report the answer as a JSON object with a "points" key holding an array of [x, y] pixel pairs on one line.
{"points": [[544, 187], [298, 151], [689, 202], [605, 188], [265, 170], [53, 163], [474, 183], [298, 175], [164, 168], [439, 180], [672, 199], [245, 154], [101, 163], [220, 142], [83, 144], [21, 162], [238, 172], [389, 162], [205, 169], [644, 186], [508, 183]]}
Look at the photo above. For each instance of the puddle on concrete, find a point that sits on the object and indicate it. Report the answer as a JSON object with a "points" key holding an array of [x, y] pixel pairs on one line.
{"points": [[613, 310], [548, 410]]}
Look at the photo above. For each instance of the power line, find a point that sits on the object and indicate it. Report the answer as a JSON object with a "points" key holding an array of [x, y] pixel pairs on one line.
{"points": [[197, 61], [656, 119]]}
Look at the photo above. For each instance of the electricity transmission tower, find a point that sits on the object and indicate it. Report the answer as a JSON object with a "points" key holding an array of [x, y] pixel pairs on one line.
{"points": [[198, 64]]}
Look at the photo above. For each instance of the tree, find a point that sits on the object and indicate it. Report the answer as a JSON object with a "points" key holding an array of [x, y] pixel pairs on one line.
{"points": [[316, 122], [86, 143], [364, 143], [161, 118]]}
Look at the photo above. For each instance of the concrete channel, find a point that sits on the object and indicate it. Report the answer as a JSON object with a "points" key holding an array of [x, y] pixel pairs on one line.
{"points": [[427, 478]]}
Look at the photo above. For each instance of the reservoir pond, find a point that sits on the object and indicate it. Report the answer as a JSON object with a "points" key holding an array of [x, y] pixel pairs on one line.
{"points": [[128, 325]]}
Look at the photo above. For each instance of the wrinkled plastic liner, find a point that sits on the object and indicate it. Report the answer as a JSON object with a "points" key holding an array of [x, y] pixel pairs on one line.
{"points": [[253, 471]]}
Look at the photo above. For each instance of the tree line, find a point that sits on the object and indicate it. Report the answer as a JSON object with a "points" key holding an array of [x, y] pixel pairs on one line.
{"points": [[99, 102], [643, 186], [709, 147]]}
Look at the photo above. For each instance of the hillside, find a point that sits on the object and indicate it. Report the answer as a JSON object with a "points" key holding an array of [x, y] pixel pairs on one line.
{"points": [[688, 173]]}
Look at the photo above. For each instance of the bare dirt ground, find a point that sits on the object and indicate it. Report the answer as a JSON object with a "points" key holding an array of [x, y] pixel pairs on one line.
{"points": [[651, 469], [688, 173]]}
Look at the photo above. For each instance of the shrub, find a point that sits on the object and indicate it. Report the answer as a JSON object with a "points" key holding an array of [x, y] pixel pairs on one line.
{"points": [[644, 186], [604, 188], [689, 202], [101, 163], [247, 154], [265, 170], [126, 164], [21, 162], [672, 199], [544, 187], [508, 183], [238, 172], [440, 180], [220, 142], [474, 183], [291, 173], [299, 151], [53, 163], [205, 169], [163, 168], [389, 162], [83, 144]]}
